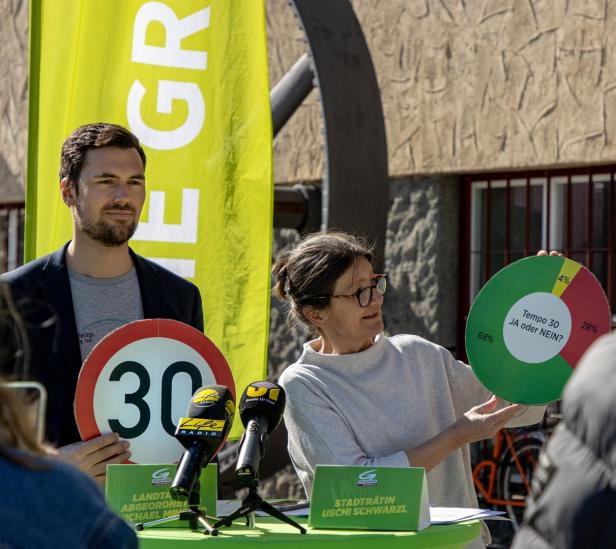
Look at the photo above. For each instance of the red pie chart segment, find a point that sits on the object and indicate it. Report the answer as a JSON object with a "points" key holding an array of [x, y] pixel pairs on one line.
{"points": [[590, 317]]}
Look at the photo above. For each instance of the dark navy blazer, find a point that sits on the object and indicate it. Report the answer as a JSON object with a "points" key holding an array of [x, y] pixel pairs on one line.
{"points": [[42, 293]]}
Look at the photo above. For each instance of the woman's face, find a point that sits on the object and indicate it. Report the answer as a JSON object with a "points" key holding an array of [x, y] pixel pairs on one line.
{"points": [[344, 325]]}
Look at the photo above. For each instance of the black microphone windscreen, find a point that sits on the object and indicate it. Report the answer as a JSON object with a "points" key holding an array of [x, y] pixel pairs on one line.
{"points": [[212, 401], [262, 398], [210, 415]]}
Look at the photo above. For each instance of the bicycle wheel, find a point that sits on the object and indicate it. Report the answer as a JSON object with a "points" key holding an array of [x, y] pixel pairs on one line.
{"points": [[510, 482]]}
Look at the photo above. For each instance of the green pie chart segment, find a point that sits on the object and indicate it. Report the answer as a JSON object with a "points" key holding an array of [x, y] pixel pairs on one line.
{"points": [[520, 332]]}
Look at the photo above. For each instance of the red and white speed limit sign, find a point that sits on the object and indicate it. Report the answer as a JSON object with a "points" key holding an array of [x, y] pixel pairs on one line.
{"points": [[138, 381]]}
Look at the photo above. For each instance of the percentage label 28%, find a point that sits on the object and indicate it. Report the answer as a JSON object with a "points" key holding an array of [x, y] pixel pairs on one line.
{"points": [[589, 327], [485, 337]]}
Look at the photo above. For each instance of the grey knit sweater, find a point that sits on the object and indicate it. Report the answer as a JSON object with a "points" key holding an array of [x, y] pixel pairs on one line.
{"points": [[366, 408]]}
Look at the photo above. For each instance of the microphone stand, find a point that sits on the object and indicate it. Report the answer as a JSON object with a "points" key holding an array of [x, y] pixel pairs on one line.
{"points": [[193, 515], [254, 502]]}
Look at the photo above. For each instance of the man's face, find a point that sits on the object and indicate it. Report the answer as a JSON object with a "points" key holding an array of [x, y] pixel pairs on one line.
{"points": [[111, 195]]}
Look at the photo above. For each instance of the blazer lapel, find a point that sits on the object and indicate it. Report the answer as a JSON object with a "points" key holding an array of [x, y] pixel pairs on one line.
{"points": [[57, 291], [152, 289]]}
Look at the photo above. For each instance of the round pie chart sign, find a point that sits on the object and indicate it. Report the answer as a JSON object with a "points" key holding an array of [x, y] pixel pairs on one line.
{"points": [[138, 381], [530, 325]]}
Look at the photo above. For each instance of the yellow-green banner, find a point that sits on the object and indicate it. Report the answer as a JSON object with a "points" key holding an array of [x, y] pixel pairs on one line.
{"points": [[189, 78]]}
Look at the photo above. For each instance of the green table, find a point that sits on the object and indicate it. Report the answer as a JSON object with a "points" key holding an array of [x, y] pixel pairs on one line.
{"points": [[277, 534]]}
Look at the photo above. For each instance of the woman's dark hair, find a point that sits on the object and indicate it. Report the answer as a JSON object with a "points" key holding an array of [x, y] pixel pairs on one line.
{"points": [[306, 276]]}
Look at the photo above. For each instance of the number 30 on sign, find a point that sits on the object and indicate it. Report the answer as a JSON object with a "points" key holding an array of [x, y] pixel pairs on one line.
{"points": [[138, 381]]}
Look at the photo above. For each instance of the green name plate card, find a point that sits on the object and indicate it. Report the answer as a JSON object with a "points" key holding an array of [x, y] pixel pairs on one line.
{"points": [[140, 493], [369, 498]]}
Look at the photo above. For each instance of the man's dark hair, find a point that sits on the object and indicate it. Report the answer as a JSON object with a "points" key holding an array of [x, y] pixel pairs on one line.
{"points": [[94, 136]]}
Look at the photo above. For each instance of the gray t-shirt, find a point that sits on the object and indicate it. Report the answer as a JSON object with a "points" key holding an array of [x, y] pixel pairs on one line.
{"points": [[103, 304]]}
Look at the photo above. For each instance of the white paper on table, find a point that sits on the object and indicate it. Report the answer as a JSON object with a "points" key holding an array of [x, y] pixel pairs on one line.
{"points": [[438, 515], [451, 515]]}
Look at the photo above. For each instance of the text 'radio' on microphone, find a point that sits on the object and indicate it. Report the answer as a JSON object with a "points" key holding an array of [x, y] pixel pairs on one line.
{"points": [[203, 432]]}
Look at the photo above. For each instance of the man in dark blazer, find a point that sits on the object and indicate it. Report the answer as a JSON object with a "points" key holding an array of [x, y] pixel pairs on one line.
{"points": [[95, 283]]}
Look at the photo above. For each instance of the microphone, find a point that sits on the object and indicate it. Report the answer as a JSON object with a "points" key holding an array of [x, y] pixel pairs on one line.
{"points": [[203, 432], [261, 406]]}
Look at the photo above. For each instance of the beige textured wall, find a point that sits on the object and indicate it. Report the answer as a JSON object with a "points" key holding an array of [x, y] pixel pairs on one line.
{"points": [[13, 97], [298, 146], [467, 85], [473, 85]]}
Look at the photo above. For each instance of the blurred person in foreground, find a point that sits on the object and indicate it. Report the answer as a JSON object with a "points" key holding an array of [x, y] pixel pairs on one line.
{"points": [[573, 501], [45, 503], [358, 397], [94, 284]]}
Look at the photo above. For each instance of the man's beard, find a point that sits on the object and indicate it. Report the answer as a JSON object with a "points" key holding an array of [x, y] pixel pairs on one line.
{"points": [[105, 233]]}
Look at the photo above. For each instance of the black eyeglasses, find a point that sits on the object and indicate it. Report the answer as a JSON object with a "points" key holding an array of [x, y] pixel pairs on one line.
{"points": [[364, 295]]}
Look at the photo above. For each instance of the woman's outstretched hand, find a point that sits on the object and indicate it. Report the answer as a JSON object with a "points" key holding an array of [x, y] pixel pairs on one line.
{"points": [[478, 423], [484, 421]]}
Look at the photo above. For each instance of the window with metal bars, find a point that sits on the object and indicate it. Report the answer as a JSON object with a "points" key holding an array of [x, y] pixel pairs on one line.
{"points": [[509, 216], [11, 236]]}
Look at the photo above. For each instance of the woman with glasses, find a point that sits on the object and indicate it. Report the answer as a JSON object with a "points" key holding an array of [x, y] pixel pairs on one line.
{"points": [[358, 397]]}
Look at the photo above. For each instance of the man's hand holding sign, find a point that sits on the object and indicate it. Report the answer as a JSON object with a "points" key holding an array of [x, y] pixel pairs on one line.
{"points": [[93, 456]]}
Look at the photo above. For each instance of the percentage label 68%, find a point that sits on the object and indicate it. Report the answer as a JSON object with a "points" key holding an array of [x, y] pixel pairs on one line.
{"points": [[485, 337]]}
